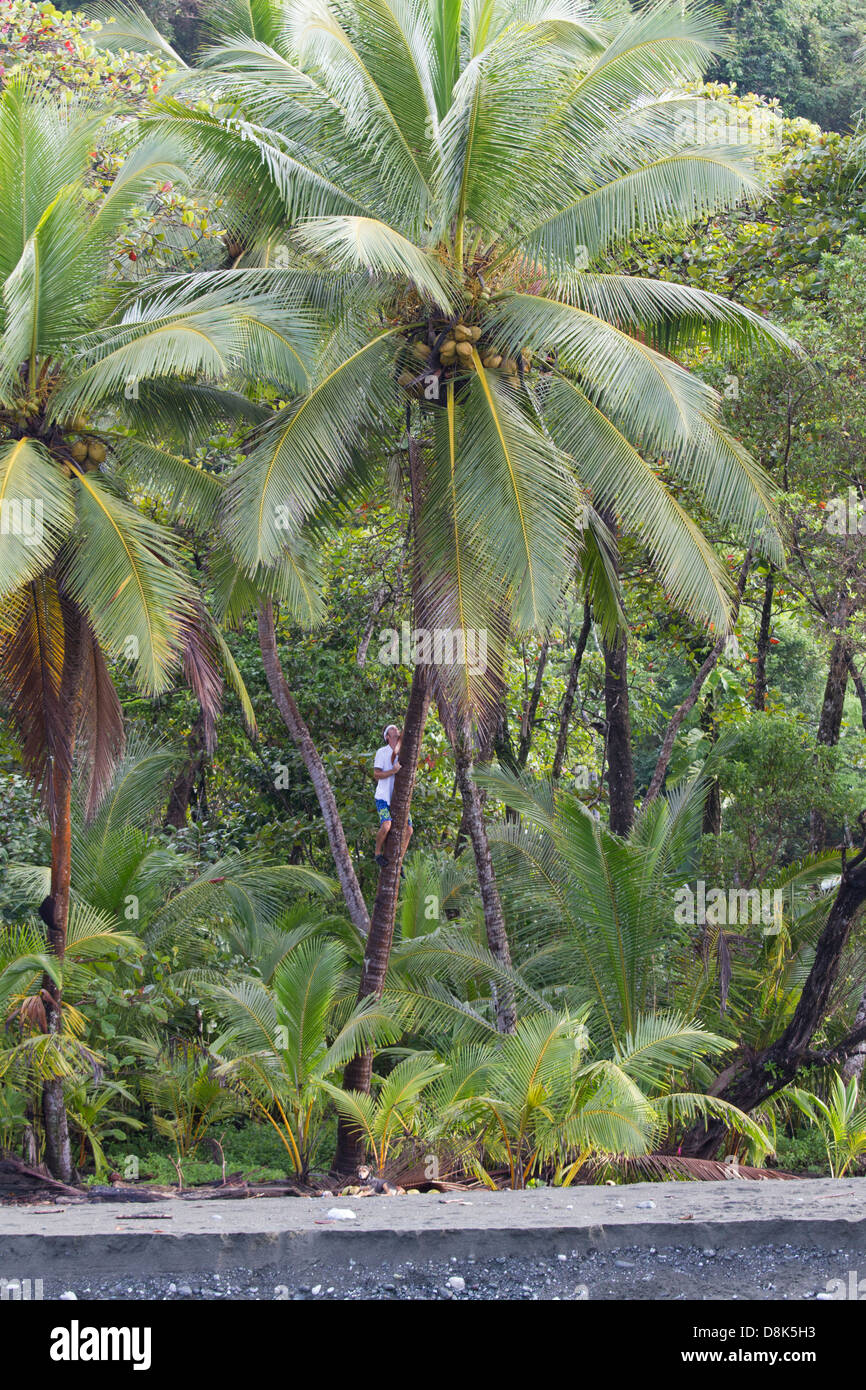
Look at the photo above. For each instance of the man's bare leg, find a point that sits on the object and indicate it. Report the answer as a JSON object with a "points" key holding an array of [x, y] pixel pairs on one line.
{"points": [[384, 831]]}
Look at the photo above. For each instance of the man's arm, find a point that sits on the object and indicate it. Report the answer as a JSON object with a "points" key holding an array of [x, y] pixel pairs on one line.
{"points": [[380, 772]]}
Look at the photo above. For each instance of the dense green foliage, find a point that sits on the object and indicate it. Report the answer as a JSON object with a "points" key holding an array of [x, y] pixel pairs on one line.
{"points": [[802, 52]]}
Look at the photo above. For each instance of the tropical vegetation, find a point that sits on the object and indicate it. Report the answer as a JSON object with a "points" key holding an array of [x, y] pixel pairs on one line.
{"points": [[493, 369]]}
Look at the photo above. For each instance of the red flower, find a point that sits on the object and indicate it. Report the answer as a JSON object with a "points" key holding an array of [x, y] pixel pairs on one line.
{"points": [[133, 256], [70, 45]]}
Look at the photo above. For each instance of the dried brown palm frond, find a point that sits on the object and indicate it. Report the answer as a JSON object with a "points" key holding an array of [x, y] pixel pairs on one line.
{"points": [[32, 1013], [201, 668], [412, 1168], [676, 1167], [31, 668], [100, 727]]}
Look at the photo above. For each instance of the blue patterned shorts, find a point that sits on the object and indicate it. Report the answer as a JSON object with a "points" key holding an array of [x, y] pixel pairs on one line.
{"points": [[385, 811]]}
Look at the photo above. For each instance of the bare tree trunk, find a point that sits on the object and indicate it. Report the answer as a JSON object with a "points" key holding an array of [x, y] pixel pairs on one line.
{"points": [[620, 765], [760, 1077], [618, 749], [55, 909], [830, 721], [853, 1064], [494, 918], [350, 1144], [378, 601], [690, 701], [528, 722], [570, 692], [712, 818], [859, 685], [759, 689], [291, 716], [492, 731]]}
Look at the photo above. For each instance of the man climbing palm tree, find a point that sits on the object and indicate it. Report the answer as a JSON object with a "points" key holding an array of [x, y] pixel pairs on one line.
{"points": [[386, 766]]}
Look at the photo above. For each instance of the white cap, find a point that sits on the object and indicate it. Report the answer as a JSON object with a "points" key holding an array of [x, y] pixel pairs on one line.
{"points": [[388, 728]]}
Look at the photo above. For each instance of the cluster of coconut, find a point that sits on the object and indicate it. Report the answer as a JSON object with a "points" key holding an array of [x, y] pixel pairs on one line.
{"points": [[460, 346], [88, 453], [23, 411], [458, 350]]}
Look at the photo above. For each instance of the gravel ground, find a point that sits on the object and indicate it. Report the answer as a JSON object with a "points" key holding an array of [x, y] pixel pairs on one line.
{"points": [[763, 1272]]}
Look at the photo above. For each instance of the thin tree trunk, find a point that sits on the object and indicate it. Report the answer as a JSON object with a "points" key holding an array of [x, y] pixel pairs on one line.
{"points": [[771, 1070], [356, 1077], [528, 724], [474, 828], [570, 692], [492, 731], [712, 818], [853, 1064], [55, 909], [620, 764], [830, 722], [690, 701], [181, 792], [859, 685], [302, 738], [494, 917], [759, 688], [618, 749], [378, 601]]}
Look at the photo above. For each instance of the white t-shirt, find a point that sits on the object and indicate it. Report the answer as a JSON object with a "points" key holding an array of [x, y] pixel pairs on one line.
{"points": [[385, 785]]}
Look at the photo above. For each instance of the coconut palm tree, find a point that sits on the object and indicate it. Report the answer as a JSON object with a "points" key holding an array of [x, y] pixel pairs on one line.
{"points": [[841, 1119], [537, 1102], [548, 1104], [87, 363], [597, 909], [456, 171]]}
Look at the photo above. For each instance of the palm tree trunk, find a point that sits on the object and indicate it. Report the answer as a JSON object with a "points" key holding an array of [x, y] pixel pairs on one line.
{"points": [[494, 917], [571, 691], [55, 909], [474, 827], [302, 738], [357, 1075], [350, 1145]]}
